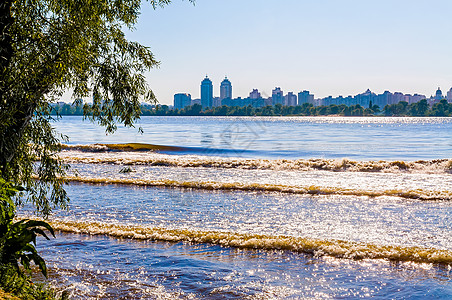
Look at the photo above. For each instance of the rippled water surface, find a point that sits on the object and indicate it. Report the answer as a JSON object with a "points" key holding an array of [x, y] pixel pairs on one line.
{"points": [[110, 267], [381, 220], [256, 208], [284, 137], [154, 270]]}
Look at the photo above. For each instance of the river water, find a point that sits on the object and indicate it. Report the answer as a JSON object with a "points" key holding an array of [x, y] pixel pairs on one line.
{"points": [[256, 208]]}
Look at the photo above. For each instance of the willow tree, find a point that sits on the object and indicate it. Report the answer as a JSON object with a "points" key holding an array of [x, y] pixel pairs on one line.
{"points": [[51, 46]]}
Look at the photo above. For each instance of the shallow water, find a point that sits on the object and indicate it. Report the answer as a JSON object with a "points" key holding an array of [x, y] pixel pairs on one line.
{"points": [[258, 208], [380, 220], [159, 270], [417, 185], [112, 263]]}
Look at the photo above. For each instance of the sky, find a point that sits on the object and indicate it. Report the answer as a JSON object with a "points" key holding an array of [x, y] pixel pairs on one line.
{"points": [[329, 47]]}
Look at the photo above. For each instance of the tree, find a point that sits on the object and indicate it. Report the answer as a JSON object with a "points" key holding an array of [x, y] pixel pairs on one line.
{"points": [[334, 109], [323, 110], [47, 47], [441, 109], [193, 110], [356, 110], [375, 108], [422, 107]]}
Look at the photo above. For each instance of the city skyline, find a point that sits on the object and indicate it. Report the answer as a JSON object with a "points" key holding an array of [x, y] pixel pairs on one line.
{"points": [[329, 47], [216, 91], [294, 98]]}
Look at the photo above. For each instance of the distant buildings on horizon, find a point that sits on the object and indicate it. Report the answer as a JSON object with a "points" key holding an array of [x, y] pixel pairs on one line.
{"points": [[255, 98]]}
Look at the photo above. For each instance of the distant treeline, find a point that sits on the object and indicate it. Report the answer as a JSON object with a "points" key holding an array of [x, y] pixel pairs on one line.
{"points": [[306, 109], [67, 110], [421, 109]]}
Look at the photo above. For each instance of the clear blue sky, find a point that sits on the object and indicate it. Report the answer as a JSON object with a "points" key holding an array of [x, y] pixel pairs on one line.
{"points": [[330, 47]]}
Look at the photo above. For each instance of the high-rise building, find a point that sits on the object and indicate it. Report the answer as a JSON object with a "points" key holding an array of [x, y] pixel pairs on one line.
{"points": [[305, 97], [290, 99], [277, 96], [206, 93], [396, 98], [416, 98], [255, 94], [384, 99], [225, 89], [216, 102], [182, 100], [449, 96]]}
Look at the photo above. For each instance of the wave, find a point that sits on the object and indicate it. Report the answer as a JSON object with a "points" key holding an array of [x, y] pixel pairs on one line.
{"points": [[126, 156], [122, 147], [143, 147], [334, 248], [418, 194]]}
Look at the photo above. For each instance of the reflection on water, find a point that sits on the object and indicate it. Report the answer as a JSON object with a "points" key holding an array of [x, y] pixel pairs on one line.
{"points": [[106, 268], [349, 189], [379, 221], [284, 137], [206, 139], [112, 268]]}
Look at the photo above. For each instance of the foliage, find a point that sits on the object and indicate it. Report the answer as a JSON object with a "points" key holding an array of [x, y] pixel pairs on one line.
{"points": [[17, 248], [441, 109], [419, 109], [396, 109], [306, 109], [22, 287], [48, 47], [67, 110], [17, 239]]}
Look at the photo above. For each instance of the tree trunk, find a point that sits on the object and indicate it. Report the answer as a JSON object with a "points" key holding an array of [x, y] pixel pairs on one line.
{"points": [[6, 54], [6, 49]]}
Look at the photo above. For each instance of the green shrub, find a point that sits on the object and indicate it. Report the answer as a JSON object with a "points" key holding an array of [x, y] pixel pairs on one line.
{"points": [[17, 249]]}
